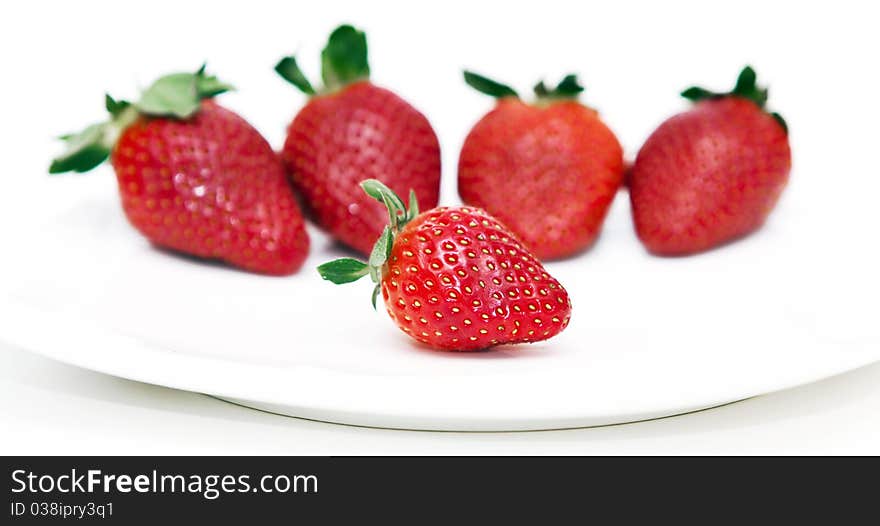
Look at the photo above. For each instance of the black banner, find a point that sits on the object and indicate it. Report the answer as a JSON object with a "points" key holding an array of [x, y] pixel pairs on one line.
{"points": [[257, 490]]}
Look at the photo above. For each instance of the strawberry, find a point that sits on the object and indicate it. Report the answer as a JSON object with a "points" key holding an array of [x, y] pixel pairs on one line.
{"points": [[351, 130], [195, 177], [454, 278], [549, 169], [711, 174]]}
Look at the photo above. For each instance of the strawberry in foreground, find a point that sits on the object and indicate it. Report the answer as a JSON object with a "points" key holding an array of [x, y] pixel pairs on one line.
{"points": [[195, 177], [455, 278], [549, 170], [352, 130], [711, 174]]}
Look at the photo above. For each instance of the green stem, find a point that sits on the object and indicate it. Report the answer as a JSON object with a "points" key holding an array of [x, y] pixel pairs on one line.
{"points": [[346, 270]]}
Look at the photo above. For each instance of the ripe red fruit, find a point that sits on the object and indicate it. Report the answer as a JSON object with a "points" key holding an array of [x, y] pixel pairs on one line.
{"points": [[454, 278], [195, 177], [711, 174], [352, 130], [548, 170]]}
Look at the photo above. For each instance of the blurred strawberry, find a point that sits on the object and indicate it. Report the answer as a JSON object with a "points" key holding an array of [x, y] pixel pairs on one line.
{"points": [[195, 177], [351, 130], [711, 174], [549, 170]]}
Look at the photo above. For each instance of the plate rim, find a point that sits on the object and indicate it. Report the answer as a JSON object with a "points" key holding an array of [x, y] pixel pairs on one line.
{"points": [[304, 400]]}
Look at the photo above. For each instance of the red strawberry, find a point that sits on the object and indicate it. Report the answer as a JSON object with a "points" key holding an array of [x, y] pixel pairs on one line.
{"points": [[456, 279], [549, 170], [711, 174], [195, 177], [352, 130]]}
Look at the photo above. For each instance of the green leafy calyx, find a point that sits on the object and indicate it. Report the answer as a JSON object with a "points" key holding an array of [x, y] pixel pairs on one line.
{"points": [[178, 95], [568, 88], [746, 87], [291, 72], [488, 86], [343, 61], [346, 270]]}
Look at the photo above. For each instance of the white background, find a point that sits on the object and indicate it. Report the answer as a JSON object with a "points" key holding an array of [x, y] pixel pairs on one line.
{"points": [[634, 57]]}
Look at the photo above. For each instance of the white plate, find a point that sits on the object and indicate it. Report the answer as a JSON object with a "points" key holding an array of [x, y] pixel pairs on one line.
{"points": [[649, 337]]}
